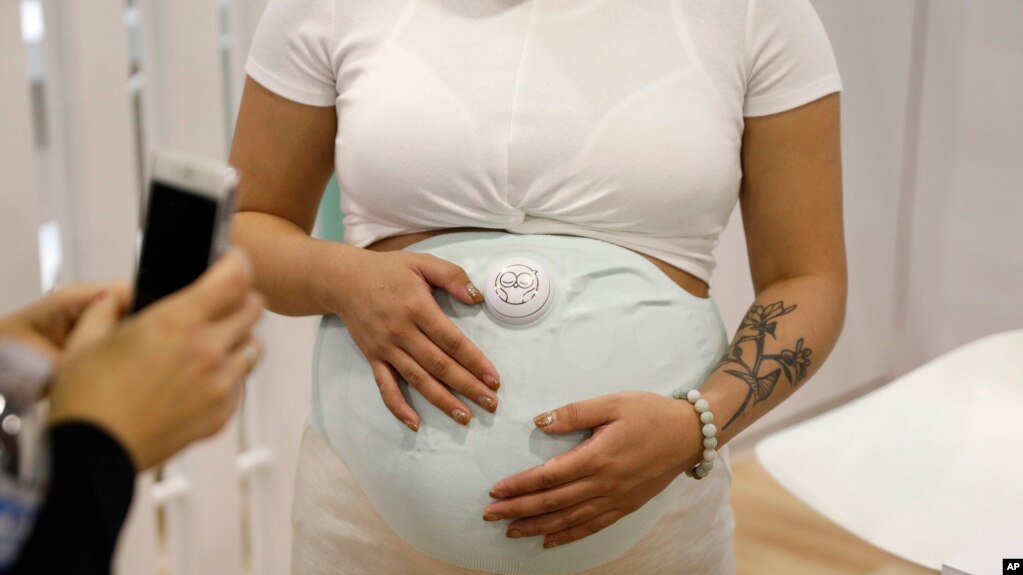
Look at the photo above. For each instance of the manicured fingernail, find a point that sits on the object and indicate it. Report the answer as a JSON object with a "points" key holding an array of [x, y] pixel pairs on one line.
{"points": [[243, 258], [488, 403], [497, 494], [514, 533], [474, 292], [412, 425], [544, 419], [491, 382], [460, 416], [549, 544], [100, 296], [491, 517]]}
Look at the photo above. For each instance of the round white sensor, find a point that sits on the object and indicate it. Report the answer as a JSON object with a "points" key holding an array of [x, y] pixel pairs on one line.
{"points": [[518, 291]]}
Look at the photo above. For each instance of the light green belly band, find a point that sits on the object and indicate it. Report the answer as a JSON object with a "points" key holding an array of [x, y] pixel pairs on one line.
{"points": [[615, 323]]}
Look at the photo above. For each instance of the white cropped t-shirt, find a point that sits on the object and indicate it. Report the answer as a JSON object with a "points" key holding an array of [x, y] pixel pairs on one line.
{"points": [[615, 120]]}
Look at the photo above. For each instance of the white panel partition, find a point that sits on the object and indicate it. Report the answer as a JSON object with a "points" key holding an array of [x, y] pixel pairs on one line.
{"points": [[138, 549], [93, 132], [201, 496], [277, 408], [244, 16], [19, 198], [184, 80]]}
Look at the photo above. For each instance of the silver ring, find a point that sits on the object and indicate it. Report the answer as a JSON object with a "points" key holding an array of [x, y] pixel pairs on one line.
{"points": [[251, 355]]}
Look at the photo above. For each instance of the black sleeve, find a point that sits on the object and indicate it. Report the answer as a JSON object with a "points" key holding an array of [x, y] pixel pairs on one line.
{"points": [[91, 487]]}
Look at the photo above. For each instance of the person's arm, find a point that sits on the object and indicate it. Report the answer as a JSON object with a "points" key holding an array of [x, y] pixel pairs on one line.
{"points": [[91, 485], [285, 152], [791, 202], [792, 211], [184, 359]]}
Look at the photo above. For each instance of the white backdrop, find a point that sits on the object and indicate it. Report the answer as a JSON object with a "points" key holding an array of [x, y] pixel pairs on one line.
{"points": [[20, 214], [933, 158], [966, 268]]}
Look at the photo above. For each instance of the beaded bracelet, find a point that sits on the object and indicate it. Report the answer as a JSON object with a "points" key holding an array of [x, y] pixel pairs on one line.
{"points": [[710, 442]]}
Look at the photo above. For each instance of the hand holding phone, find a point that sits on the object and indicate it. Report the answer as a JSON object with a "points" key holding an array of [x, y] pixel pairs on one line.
{"points": [[169, 375]]}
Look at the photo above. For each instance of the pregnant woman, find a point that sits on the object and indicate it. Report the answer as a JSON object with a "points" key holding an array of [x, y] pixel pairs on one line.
{"points": [[519, 369]]}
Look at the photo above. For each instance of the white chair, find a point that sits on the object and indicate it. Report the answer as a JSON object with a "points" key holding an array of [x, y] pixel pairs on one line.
{"points": [[927, 467]]}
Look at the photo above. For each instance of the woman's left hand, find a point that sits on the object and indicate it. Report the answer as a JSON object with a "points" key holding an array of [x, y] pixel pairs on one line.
{"points": [[47, 323], [641, 442]]}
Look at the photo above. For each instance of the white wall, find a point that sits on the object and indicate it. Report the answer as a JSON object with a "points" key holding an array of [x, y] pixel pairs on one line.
{"points": [[20, 214], [966, 272], [92, 126]]}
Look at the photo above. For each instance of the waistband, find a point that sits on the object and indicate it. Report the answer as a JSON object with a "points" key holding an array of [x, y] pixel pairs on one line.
{"points": [[547, 243]]}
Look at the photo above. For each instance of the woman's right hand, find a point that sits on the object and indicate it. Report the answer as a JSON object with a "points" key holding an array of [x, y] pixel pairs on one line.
{"points": [[388, 306]]}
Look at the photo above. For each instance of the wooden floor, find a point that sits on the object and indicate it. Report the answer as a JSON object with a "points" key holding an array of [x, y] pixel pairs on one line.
{"points": [[776, 534]]}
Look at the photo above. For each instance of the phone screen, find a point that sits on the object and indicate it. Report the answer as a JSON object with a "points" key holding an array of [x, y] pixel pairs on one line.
{"points": [[176, 242]]}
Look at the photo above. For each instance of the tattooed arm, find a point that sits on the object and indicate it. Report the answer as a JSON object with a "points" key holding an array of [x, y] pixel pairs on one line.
{"points": [[791, 202]]}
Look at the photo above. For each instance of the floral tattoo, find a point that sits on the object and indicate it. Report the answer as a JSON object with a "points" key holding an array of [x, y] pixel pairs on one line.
{"points": [[760, 322]]}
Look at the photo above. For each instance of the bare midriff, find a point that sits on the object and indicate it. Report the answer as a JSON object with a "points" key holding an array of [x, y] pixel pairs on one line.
{"points": [[684, 280]]}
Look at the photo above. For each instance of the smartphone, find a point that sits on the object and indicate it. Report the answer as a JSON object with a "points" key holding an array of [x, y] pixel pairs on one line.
{"points": [[186, 223]]}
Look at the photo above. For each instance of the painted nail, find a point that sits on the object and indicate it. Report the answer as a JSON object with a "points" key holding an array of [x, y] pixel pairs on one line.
{"points": [[544, 419], [242, 257], [491, 382], [491, 517], [412, 425], [100, 296], [460, 416], [488, 403], [474, 292], [550, 544], [497, 494], [514, 533]]}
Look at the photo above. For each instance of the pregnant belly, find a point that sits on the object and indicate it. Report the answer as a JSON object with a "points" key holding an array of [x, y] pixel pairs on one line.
{"points": [[617, 324]]}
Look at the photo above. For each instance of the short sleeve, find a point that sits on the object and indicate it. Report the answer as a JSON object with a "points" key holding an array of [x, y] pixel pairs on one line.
{"points": [[788, 56], [291, 53]]}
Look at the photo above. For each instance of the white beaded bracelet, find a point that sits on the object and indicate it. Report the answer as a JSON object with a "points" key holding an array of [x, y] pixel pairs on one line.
{"points": [[710, 442]]}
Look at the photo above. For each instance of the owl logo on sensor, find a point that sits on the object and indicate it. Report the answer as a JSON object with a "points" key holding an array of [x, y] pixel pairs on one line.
{"points": [[518, 291], [517, 284]]}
